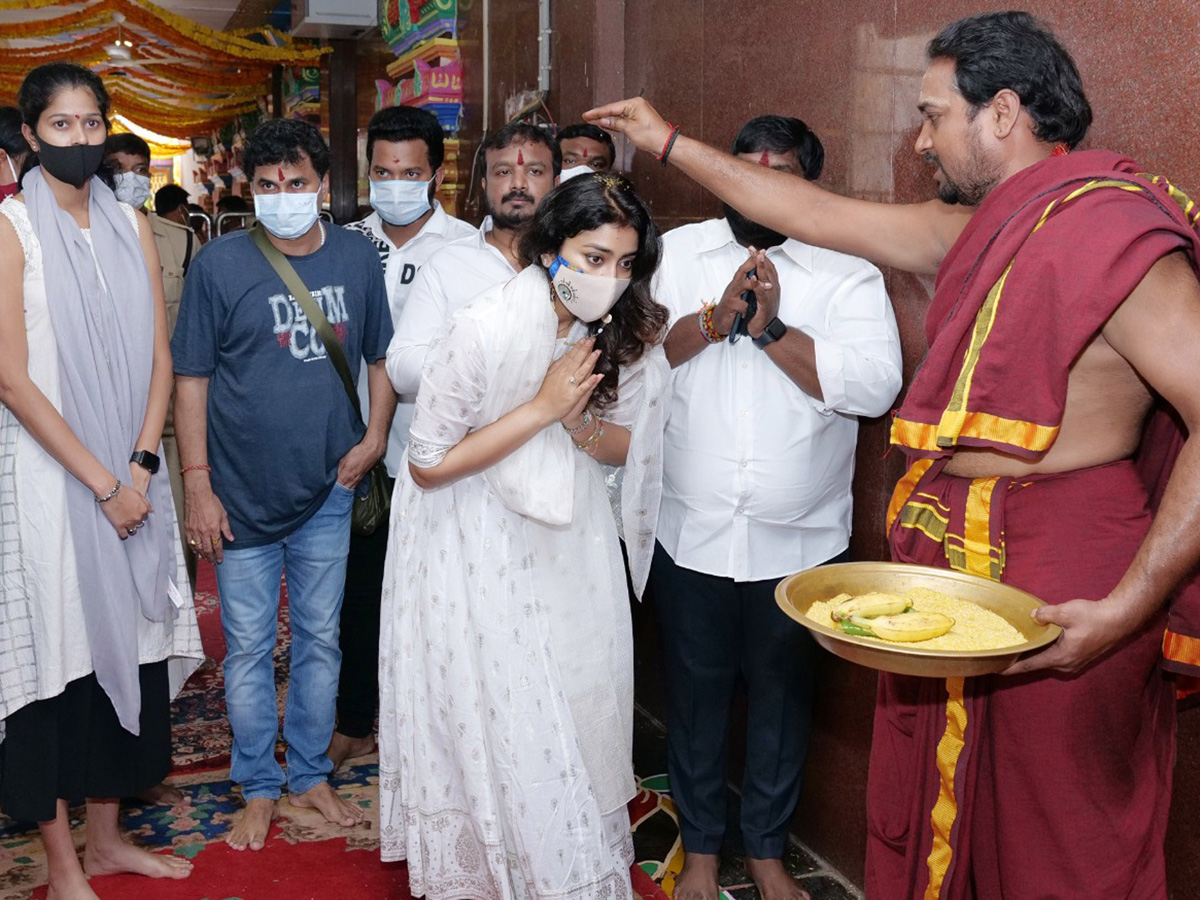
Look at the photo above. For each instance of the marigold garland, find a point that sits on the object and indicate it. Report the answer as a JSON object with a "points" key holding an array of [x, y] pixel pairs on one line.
{"points": [[163, 24], [229, 74]]}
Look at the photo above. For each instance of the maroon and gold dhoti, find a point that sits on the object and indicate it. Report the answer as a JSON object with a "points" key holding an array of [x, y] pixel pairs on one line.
{"points": [[1047, 785], [1033, 786]]}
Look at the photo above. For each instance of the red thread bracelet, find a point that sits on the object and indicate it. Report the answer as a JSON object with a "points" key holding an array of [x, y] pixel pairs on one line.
{"points": [[668, 143], [198, 468]]}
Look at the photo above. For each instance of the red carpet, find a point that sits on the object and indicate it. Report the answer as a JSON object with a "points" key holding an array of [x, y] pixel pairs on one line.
{"points": [[321, 871], [305, 857]]}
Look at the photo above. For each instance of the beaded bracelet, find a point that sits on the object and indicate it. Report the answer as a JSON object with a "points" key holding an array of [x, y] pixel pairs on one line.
{"points": [[110, 494], [587, 420], [707, 328], [599, 425]]}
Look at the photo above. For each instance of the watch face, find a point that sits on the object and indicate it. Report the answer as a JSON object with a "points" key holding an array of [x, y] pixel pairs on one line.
{"points": [[146, 460]]}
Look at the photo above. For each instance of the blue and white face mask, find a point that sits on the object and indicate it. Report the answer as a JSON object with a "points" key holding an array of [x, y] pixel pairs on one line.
{"points": [[287, 216], [588, 297], [401, 202]]}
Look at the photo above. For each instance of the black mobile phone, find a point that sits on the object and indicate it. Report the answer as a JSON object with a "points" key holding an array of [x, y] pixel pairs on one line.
{"points": [[741, 323]]}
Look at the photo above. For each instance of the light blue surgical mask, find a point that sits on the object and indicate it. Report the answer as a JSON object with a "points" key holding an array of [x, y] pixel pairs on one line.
{"points": [[400, 202], [132, 188], [287, 216]]}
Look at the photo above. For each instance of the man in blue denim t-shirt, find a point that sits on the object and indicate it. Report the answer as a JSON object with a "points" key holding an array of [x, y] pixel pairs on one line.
{"points": [[272, 451]]}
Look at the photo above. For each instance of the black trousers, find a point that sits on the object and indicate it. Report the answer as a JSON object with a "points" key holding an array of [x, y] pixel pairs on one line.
{"points": [[715, 630], [72, 746], [358, 684]]}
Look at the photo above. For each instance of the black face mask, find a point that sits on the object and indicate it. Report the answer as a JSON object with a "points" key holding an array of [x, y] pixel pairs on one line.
{"points": [[72, 165], [751, 234]]}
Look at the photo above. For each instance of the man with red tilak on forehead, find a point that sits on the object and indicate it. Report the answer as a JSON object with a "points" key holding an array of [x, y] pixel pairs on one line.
{"points": [[521, 165], [405, 151], [757, 460], [1066, 307]]}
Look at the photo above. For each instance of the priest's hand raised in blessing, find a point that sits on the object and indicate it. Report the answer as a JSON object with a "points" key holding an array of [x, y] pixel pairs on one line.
{"points": [[637, 120]]}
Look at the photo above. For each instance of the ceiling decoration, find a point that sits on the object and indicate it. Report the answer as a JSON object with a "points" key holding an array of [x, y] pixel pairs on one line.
{"points": [[164, 72]]}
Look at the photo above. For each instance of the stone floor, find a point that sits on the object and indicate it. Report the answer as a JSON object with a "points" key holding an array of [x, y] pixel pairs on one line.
{"points": [[816, 876]]}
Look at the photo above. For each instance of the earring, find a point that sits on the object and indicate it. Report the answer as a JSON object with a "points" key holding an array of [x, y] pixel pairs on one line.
{"points": [[603, 322]]}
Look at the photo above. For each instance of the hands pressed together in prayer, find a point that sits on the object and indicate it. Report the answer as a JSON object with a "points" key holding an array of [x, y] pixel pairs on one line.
{"points": [[567, 388], [756, 274]]}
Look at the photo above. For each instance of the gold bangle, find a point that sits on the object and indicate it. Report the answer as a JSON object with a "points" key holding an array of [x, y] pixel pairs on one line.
{"points": [[589, 446]]}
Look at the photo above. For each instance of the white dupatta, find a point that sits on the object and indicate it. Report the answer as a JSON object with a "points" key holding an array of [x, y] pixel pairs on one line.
{"points": [[538, 479]]}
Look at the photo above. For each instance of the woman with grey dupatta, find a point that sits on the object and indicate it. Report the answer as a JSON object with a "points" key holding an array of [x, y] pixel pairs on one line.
{"points": [[97, 628]]}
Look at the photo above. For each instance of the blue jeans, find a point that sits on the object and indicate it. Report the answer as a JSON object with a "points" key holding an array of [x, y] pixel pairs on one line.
{"points": [[314, 556]]}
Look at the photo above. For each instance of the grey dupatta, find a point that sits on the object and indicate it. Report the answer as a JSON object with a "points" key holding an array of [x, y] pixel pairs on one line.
{"points": [[104, 329]]}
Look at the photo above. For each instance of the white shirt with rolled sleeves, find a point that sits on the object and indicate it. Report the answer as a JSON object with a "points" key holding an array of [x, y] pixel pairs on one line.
{"points": [[451, 278], [400, 267], [756, 473]]}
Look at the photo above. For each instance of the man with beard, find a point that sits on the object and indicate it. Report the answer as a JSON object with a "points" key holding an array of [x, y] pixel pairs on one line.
{"points": [[521, 165], [757, 462], [1066, 304]]}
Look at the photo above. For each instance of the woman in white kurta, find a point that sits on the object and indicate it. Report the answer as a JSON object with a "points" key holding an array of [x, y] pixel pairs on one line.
{"points": [[93, 635], [506, 670]]}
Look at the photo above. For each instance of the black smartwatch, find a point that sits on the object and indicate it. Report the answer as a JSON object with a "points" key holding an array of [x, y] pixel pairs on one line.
{"points": [[774, 331], [146, 460]]}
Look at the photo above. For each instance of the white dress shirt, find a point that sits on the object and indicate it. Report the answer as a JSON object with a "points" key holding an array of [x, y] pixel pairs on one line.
{"points": [[451, 278], [400, 267], [756, 473]]}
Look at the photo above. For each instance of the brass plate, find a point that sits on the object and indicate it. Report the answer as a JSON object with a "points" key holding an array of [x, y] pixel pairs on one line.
{"points": [[796, 593]]}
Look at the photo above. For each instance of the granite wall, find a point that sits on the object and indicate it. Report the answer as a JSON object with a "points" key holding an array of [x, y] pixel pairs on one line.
{"points": [[852, 71]]}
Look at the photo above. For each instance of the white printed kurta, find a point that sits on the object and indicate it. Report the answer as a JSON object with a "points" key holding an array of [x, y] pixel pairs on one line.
{"points": [[43, 644], [506, 676]]}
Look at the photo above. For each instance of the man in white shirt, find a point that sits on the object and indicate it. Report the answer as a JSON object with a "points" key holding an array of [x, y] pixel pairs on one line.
{"points": [[757, 463], [521, 166], [404, 155]]}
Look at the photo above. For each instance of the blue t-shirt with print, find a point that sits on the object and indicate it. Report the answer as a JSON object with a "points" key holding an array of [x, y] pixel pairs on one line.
{"points": [[279, 419]]}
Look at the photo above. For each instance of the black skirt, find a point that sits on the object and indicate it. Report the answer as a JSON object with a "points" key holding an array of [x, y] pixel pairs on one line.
{"points": [[71, 746]]}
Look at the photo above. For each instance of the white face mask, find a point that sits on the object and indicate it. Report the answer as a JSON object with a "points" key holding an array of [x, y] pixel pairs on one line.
{"points": [[588, 297], [567, 174], [400, 202], [132, 188], [287, 216]]}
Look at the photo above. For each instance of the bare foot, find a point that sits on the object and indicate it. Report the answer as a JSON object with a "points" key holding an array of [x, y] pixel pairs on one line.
{"points": [[70, 886], [251, 827], [162, 794], [773, 880], [342, 748], [322, 798], [115, 857], [698, 880]]}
